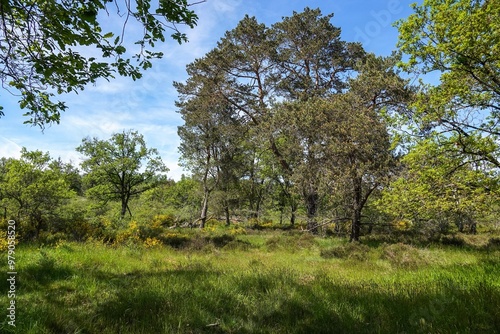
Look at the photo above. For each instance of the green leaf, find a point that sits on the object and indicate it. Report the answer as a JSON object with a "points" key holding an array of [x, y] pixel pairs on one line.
{"points": [[120, 49]]}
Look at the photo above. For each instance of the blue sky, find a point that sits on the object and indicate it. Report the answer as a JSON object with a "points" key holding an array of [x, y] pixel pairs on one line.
{"points": [[147, 105]]}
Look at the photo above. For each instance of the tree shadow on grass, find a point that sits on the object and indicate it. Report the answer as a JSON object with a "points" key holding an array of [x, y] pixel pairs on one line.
{"points": [[276, 302], [197, 299], [45, 271]]}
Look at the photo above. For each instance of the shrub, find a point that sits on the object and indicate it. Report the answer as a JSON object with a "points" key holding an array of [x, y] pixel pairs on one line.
{"points": [[150, 231], [197, 243], [131, 234], [237, 230], [355, 251], [304, 240], [453, 240], [165, 220], [212, 222], [494, 243], [221, 240], [4, 242], [52, 238], [403, 225], [173, 239], [403, 256], [152, 242], [236, 245], [431, 229], [277, 242], [291, 241], [258, 224]]}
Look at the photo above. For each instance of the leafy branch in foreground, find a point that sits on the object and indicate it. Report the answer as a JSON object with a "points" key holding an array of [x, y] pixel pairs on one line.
{"points": [[460, 40], [42, 42]]}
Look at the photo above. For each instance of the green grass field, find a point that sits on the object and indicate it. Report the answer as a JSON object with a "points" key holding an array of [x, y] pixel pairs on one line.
{"points": [[268, 282]]}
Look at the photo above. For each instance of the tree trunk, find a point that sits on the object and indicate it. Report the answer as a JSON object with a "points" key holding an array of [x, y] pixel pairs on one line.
{"points": [[293, 207], [473, 227], [38, 224], [204, 209], [356, 225], [312, 208], [370, 228], [206, 189], [226, 211], [123, 210], [255, 196], [257, 206], [357, 206], [255, 203], [125, 197]]}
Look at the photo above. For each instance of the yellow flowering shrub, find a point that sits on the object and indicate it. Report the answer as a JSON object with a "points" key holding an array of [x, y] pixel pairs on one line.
{"points": [[152, 242], [4, 243], [130, 234], [403, 225], [237, 230], [160, 221]]}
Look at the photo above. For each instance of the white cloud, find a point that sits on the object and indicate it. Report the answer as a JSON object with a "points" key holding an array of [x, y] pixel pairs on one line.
{"points": [[214, 17], [9, 148], [102, 124]]}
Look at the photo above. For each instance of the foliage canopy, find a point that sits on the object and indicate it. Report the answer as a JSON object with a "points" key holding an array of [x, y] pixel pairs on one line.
{"points": [[460, 40], [120, 168], [45, 46]]}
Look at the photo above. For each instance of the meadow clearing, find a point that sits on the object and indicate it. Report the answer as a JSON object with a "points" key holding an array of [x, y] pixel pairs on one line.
{"points": [[259, 282]]}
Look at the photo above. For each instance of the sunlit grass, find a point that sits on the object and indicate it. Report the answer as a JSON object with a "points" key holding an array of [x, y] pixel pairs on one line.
{"points": [[258, 283]]}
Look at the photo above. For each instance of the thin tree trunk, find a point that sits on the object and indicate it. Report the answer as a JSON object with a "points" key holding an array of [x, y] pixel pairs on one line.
{"points": [[226, 211], [356, 208], [38, 225], [473, 227], [123, 210], [370, 228], [257, 205], [206, 190], [252, 197], [293, 207], [460, 225], [356, 225], [204, 209]]}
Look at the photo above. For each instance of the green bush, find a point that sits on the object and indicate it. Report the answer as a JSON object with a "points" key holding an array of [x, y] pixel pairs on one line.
{"points": [[355, 251], [238, 245], [221, 240], [453, 240], [174, 239], [51, 238], [494, 243], [291, 241], [164, 220], [403, 256]]}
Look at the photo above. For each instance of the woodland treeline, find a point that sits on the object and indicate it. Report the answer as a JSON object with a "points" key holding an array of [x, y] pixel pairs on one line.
{"points": [[290, 126]]}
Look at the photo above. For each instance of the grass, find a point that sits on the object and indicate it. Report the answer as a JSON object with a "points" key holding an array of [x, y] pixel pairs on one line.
{"points": [[270, 282]]}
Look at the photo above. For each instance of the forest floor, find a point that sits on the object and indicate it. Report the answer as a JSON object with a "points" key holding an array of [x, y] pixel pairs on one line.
{"points": [[258, 282]]}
